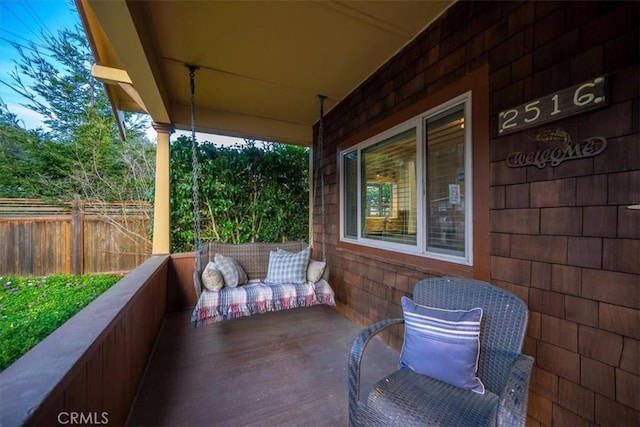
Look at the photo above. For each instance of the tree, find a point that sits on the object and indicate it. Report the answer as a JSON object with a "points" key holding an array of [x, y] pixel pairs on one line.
{"points": [[80, 152], [249, 193], [17, 163]]}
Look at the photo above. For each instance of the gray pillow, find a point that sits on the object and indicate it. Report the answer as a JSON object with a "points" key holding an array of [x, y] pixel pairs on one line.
{"points": [[231, 270]]}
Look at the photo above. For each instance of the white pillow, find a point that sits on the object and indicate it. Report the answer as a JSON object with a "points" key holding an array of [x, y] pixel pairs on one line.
{"points": [[231, 270], [315, 270], [212, 278]]}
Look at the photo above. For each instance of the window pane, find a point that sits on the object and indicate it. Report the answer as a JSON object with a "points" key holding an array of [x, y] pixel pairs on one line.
{"points": [[351, 195], [445, 187], [389, 183], [379, 196]]}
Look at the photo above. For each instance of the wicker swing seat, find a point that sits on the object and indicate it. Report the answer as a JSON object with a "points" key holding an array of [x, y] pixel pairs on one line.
{"points": [[255, 297]]}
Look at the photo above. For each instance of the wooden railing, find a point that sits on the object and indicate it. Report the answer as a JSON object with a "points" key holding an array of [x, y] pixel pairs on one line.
{"points": [[181, 293], [89, 370]]}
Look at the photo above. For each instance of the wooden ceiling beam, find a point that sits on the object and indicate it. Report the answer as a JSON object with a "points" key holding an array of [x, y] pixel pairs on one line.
{"points": [[110, 75]]}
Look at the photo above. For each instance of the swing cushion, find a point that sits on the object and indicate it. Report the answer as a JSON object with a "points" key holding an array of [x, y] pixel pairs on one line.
{"points": [[231, 270], [287, 267]]}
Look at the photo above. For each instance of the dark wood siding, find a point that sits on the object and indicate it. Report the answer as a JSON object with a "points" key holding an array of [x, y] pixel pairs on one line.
{"points": [[561, 238], [181, 293]]}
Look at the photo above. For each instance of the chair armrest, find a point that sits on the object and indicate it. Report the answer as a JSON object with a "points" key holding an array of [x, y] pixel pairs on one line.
{"points": [[355, 359], [513, 399]]}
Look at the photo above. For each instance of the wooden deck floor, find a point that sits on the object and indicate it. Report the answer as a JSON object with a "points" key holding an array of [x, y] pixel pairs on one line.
{"points": [[287, 368]]}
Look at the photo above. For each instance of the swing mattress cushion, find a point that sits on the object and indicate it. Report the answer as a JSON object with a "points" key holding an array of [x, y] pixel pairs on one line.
{"points": [[258, 297]]}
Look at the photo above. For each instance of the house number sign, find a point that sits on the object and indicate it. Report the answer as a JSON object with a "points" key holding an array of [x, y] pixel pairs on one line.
{"points": [[566, 102]]}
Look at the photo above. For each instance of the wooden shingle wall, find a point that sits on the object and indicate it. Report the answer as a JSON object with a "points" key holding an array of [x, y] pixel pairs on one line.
{"points": [[561, 238]]}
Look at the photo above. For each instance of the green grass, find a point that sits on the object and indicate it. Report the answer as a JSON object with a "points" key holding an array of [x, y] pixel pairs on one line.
{"points": [[33, 307]]}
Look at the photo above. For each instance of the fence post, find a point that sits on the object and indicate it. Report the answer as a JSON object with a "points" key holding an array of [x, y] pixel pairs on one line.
{"points": [[78, 236]]}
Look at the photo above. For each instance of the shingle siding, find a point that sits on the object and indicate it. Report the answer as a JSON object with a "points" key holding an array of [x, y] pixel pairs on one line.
{"points": [[562, 238]]}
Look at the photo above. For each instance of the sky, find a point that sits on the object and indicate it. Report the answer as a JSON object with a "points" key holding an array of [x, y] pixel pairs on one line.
{"points": [[24, 21]]}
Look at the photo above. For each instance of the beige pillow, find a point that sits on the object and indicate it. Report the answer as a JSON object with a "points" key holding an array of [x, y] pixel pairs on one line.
{"points": [[212, 278], [231, 270], [315, 270]]}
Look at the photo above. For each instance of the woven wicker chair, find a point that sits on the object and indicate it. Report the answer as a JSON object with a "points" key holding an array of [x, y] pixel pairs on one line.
{"points": [[406, 398]]}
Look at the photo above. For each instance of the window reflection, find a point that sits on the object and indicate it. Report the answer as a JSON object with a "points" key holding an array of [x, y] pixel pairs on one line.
{"points": [[390, 205]]}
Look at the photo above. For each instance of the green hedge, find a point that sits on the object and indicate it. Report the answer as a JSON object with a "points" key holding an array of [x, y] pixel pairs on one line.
{"points": [[33, 307], [257, 192]]}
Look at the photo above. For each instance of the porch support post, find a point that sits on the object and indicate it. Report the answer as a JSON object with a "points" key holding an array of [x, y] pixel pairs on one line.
{"points": [[161, 207]]}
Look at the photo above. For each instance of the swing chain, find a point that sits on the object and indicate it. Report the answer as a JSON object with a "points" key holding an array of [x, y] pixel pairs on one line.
{"points": [[320, 176], [195, 165]]}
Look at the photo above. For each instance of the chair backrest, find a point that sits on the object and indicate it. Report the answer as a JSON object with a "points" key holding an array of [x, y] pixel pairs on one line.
{"points": [[253, 257], [503, 326]]}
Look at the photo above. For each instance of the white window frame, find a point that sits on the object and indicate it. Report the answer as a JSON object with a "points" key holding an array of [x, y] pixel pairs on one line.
{"points": [[419, 123]]}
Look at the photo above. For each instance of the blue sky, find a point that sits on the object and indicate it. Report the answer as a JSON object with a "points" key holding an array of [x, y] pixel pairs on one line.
{"points": [[22, 21]]}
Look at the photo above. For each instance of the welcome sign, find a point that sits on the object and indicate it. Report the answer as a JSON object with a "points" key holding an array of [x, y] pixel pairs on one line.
{"points": [[556, 155]]}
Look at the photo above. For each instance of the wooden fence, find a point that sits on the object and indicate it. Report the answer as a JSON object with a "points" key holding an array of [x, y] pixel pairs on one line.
{"points": [[78, 237]]}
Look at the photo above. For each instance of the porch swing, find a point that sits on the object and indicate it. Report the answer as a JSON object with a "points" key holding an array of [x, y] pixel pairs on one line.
{"points": [[236, 280]]}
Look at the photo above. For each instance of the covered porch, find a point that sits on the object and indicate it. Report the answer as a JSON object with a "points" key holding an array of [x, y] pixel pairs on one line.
{"points": [[133, 356], [563, 237]]}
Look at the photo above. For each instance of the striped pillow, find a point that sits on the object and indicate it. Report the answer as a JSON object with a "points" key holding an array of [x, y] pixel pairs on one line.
{"points": [[442, 344], [288, 268]]}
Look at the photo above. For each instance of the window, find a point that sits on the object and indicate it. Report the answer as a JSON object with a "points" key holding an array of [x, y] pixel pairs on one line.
{"points": [[445, 139], [379, 196], [350, 191], [389, 175], [406, 189]]}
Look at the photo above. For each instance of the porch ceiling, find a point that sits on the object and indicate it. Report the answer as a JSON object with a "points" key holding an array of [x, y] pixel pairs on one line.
{"points": [[262, 63]]}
